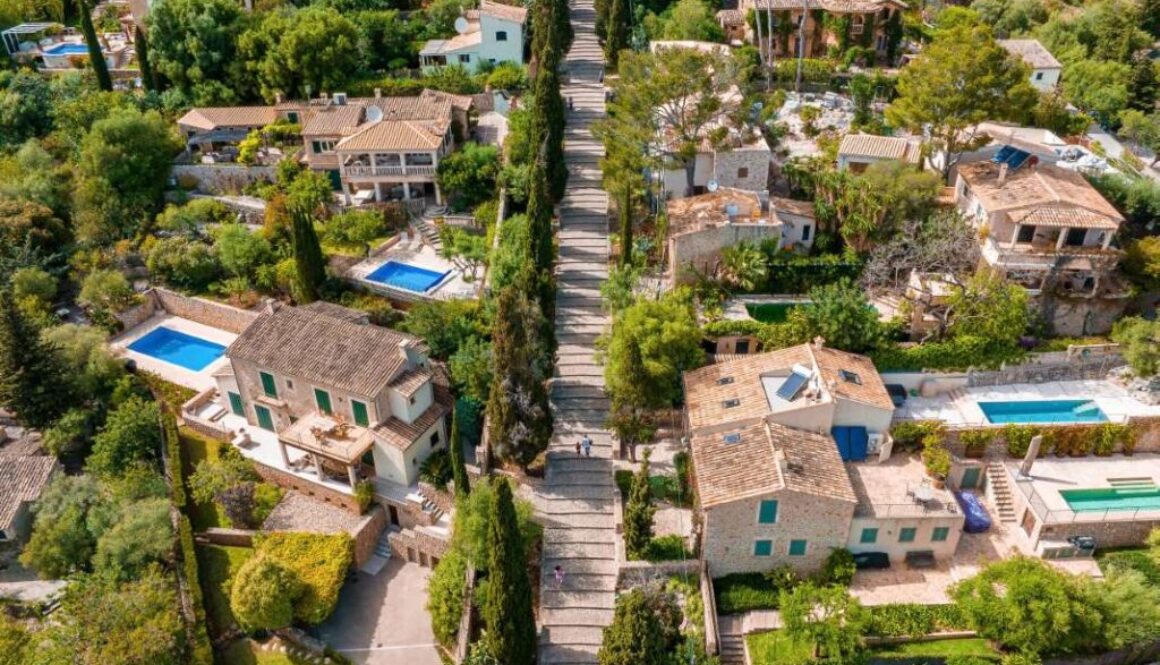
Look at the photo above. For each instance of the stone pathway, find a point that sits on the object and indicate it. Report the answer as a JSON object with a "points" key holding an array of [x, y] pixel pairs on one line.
{"points": [[576, 499]]}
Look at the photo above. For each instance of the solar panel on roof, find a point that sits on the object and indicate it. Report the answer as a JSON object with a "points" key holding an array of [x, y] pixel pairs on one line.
{"points": [[1011, 156], [792, 385]]}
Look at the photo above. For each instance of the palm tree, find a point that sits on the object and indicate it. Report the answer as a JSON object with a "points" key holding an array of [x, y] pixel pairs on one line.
{"points": [[744, 266]]}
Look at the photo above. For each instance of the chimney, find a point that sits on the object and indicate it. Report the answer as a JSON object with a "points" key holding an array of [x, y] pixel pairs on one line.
{"points": [[782, 462], [378, 93], [271, 305], [1002, 173], [819, 342], [408, 353], [278, 99]]}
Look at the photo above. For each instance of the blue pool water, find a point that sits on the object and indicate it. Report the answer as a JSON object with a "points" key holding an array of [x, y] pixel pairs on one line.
{"points": [[192, 353], [1046, 411], [67, 49], [405, 276]]}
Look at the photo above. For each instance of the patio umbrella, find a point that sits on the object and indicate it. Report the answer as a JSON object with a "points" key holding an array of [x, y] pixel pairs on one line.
{"points": [[1032, 453]]}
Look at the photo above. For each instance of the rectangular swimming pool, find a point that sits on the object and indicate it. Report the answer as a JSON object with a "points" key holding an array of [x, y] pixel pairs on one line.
{"points": [[67, 49], [1044, 411], [1112, 498], [178, 348], [406, 276]]}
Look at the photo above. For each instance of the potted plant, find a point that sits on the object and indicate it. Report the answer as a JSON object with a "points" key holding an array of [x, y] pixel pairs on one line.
{"points": [[937, 461]]}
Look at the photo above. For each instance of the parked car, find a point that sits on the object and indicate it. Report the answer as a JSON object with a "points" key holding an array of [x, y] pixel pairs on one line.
{"points": [[977, 520], [871, 560]]}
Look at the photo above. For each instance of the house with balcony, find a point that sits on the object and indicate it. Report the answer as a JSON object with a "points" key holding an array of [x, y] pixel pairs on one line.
{"points": [[870, 24], [1047, 229], [1045, 69], [488, 35], [792, 458]]}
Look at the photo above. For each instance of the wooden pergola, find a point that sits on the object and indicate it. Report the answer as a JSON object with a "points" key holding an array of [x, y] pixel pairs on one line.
{"points": [[327, 438]]}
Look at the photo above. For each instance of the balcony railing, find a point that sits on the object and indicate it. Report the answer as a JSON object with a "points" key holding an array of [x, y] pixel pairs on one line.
{"points": [[1063, 516], [360, 170], [932, 508]]}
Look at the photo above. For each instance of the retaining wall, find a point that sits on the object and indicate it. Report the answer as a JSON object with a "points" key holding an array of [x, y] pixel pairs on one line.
{"points": [[222, 178], [367, 533], [206, 312], [290, 481]]}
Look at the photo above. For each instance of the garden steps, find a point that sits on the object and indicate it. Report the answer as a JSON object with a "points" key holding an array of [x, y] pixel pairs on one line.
{"points": [[1001, 492]]}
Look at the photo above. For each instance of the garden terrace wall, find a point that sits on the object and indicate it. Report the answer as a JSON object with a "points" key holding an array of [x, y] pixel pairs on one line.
{"points": [[206, 312], [367, 533], [1146, 431], [1141, 653], [226, 537], [290, 481], [417, 547], [221, 178]]}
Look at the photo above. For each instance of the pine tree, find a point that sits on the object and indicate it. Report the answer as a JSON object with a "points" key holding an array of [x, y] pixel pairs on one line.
{"points": [[141, 45], [455, 446], [34, 382], [519, 416], [308, 257], [507, 608], [96, 56], [636, 636], [1142, 89], [548, 121], [638, 513], [618, 30]]}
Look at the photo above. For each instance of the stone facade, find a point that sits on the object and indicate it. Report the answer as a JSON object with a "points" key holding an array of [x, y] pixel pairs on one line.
{"points": [[416, 546], [1107, 534], [702, 249], [889, 530], [222, 178], [732, 529], [304, 486], [743, 168], [367, 533]]}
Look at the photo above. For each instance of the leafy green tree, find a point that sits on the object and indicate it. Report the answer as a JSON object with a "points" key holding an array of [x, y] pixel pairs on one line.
{"points": [[132, 433], [507, 610], [33, 381], [25, 107], [445, 596], [68, 434], [963, 78], [85, 352], [1143, 88], [665, 334], [288, 52], [839, 313], [1097, 87], [519, 416], [1131, 606], [189, 218], [618, 24], [636, 636], [123, 164], [458, 466], [990, 307], [194, 42], [100, 621], [473, 520], [1111, 30], [638, 513], [827, 617], [356, 228], [263, 594], [1142, 261], [1024, 604], [389, 39], [446, 326], [183, 263], [143, 536], [1143, 131], [1150, 15], [105, 292], [69, 517], [34, 175], [27, 223], [468, 175], [212, 477], [685, 20], [1139, 340], [308, 259], [1052, 113], [239, 250], [34, 290], [309, 190]]}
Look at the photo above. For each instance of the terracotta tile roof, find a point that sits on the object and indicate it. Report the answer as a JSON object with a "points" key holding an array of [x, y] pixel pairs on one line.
{"points": [[334, 120], [22, 479], [502, 11], [832, 6], [217, 117], [428, 105], [336, 311], [693, 213], [361, 359], [731, 17], [868, 388], [879, 147], [409, 382], [747, 462], [437, 98], [800, 208], [401, 435], [1034, 186], [1063, 216], [398, 135], [1032, 52]]}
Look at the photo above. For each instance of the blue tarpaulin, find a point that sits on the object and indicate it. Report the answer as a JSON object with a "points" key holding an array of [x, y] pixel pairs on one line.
{"points": [[977, 519], [852, 443]]}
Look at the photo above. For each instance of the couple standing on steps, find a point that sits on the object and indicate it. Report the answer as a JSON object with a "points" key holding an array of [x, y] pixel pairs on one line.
{"points": [[584, 444]]}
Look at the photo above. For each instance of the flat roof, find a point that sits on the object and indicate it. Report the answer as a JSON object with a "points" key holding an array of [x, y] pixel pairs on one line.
{"points": [[1050, 475], [887, 489], [329, 436]]}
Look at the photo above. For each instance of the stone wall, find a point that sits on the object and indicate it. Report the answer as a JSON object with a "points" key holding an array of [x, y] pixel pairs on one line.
{"points": [[138, 314], [1081, 317], [440, 497], [1142, 653], [1077, 369], [633, 573], [290, 481], [221, 178], [1107, 534], [417, 547], [729, 163], [228, 537], [367, 533], [206, 312], [701, 249]]}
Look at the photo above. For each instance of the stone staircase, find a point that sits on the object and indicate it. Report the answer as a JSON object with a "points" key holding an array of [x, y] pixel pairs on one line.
{"points": [[575, 502], [999, 489], [428, 231], [730, 640]]}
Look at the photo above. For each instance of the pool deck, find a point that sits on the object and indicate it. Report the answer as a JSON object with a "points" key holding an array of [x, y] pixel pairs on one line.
{"points": [[1049, 475], [414, 252], [168, 371], [1113, 400]]}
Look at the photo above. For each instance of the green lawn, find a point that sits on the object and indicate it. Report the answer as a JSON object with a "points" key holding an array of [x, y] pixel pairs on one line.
{"points": [[195, 448], [248, 652], [661, 487], [776, 648], [1135, 558], [217, 566], [936, 651]]}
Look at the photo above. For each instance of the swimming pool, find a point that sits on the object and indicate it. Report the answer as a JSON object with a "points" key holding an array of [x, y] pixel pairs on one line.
{"points": [[1044, 411], [1113, 498], [406, 276], [67, 49], [178, 348]]}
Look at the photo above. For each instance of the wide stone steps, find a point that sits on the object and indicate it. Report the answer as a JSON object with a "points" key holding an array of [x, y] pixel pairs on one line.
{"points": [[564, 598], [573, 635], [567, 654], [575, 617]]}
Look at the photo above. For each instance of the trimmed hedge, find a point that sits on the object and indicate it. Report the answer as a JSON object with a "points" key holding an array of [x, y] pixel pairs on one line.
{"points": [[320, 562], [741, 592], [913, 620], [201, 651], [958, 353]]}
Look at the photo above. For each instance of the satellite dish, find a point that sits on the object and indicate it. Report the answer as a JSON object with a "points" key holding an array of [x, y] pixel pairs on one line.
{"points": [[460, 25], [712, 185], [374, 113]]}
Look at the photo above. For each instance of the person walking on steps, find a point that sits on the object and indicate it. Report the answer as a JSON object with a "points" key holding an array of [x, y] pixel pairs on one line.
{"points": [[586, 444], [577, 449], [559, 573]]}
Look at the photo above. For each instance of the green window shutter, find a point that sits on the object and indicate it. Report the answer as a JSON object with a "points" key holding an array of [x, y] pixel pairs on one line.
{"points": [[906, 534], [322, 398], [268, 384], [360, 413], [767, 514], [317, 147], [762, 547], [797, 548], [236, 405], [940, 534], [869, 535], [265, 420]]}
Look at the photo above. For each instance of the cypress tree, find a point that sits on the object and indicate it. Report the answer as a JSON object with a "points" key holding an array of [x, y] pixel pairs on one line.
{"points": [[539, 212], [455, 446], [96, 57], [507, 609], [625, 211], [618, 29], [141, 45], [307, 256], [34, 381], [1142, 89], [636, 636], [519, 416], [638, 513]]}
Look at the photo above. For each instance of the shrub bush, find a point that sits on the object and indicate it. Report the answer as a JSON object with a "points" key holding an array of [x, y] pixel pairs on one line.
{"points": [[1018, 438], [958, 353], [667, 548], [320, 563], [937, 461], [445, 596], [364, 494], [684, 482], [976, 441], [913, 620], [910, 435], [741, 592], [436, 469], [838, 568]]}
